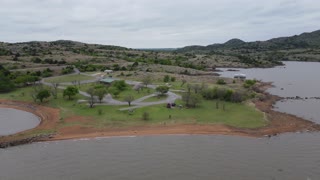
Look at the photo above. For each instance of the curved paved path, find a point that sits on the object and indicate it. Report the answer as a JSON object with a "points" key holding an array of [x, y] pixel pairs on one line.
{"points": [[108, 100]]}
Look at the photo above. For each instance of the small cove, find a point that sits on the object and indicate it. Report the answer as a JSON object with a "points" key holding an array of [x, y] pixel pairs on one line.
{"points": [[13, 121]]}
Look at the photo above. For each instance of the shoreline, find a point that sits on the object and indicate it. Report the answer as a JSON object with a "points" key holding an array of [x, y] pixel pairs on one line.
{"points": [[278, 123]]}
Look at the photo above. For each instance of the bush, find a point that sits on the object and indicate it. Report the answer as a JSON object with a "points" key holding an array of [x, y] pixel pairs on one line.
{"points": [[237, 97], [221, 82], [249, 83], [145, 116], [120, 85], [100, 111], [166, 78]]}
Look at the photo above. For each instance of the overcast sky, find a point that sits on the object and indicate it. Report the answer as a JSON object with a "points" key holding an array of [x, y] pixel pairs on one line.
{"points": [[155, 23]]}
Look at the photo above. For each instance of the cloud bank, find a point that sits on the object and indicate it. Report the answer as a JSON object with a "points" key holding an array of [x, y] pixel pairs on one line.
{"points": [[155, 23]]}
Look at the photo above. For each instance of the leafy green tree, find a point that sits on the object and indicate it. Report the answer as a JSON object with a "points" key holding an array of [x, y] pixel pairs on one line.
{"points": [[91, 92], [25, 79], [129, 98], [191, 99], [120, 85], [146, 80], [195, 99], [100, 93], [43, 94], [6, 84], [70, 91], [162, 90], [114, 91]]}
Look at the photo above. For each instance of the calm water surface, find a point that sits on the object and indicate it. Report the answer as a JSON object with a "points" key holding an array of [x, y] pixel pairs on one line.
{"points": [[294, 79], [287, 157], [13, 121]]}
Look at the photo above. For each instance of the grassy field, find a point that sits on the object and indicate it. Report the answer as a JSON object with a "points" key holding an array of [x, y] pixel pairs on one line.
{"points": [[134, 93], [69, 78], [237, 115]]}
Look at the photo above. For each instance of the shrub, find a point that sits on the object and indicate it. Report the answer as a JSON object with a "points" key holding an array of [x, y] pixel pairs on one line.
{"points": [[145, 116], [100, 111], [221, 82], [249, 83], [120, 85], [166, 78]]}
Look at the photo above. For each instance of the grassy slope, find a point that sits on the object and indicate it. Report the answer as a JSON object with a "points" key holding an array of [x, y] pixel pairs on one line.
{"points": [[238, 115], [69, 78]]}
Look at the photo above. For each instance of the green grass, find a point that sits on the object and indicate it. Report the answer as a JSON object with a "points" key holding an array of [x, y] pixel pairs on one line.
{"points": [[134, 93], [85, 87], [237, 115], [69, 78]]}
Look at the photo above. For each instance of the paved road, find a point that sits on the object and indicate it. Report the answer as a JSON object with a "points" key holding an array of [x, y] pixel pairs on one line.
{"points": [[108, 100]]}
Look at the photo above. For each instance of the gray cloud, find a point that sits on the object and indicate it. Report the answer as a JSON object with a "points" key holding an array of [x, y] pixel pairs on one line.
{"points": [[155, 23]]}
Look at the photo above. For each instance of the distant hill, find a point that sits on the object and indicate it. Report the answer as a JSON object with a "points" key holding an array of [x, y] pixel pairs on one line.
{"points": [[305, 40], [42, 47]]}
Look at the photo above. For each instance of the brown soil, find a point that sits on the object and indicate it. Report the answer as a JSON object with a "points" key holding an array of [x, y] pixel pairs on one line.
{"points": [[278, 123]]}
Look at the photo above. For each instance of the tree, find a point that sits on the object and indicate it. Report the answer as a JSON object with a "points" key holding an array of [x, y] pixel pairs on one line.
{"points": [[54, 90], [114, 91], [43, 94], [183, 82], [191, 99], [162, 90], [120, 85], [129, 98], [100, 93], [146, 80], [70, 91], [91, 93], [196, 88], [195, 99], [138, 87], [25, 79], [6, 84]]}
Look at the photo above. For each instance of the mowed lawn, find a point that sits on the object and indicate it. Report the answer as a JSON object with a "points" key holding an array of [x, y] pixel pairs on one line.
{"points": [[235, 114], [69, 78]]}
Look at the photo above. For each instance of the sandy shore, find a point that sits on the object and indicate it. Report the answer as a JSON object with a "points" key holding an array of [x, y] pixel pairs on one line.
{"points": [[278, 123]]}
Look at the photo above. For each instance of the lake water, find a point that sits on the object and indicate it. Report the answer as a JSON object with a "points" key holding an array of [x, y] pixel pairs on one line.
{"points": [[292, 156], [286, 157], [294, 79], [13, 121]]}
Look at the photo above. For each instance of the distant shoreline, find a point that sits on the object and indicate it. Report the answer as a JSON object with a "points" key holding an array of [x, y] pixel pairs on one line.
{"points": [[278, 123]]}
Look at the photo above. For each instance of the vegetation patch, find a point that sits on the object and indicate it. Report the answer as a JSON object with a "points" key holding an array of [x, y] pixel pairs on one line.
{"points": [[69, 78]]}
